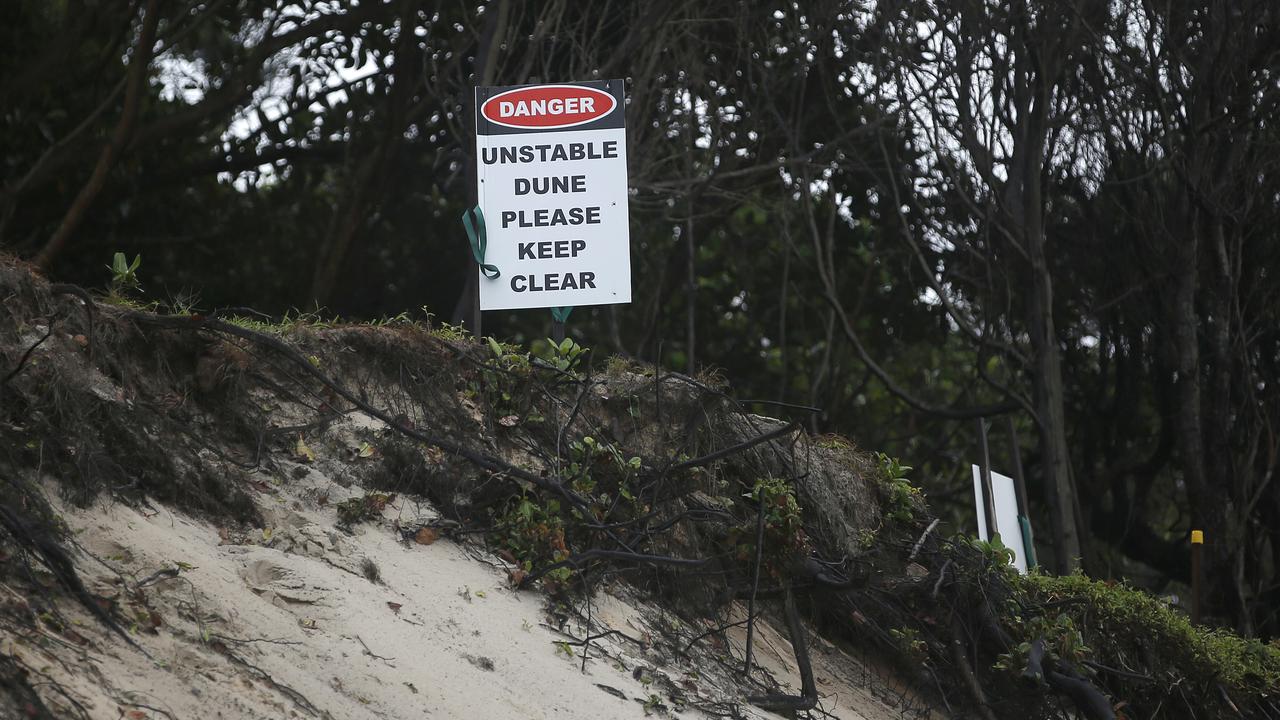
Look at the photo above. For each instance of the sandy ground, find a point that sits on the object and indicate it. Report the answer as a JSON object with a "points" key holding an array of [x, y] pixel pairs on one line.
{"points": [[286, 623]]}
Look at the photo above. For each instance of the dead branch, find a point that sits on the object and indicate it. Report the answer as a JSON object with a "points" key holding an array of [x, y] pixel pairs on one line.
{"points": [[298, 698], [961, 660], [808, 697], [22, 361], [735, 449]]}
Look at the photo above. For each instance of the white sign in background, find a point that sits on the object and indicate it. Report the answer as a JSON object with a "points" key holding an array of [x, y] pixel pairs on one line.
{"points": [[1006, 502], [556, 218]]}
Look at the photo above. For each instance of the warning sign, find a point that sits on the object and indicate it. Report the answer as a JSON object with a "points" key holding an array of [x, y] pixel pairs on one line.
{"points": [[551, 161]]}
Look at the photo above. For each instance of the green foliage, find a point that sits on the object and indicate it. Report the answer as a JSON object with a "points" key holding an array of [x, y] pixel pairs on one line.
{"points": [[997, 557], [361, 509], [124, 274], [124, 283], [505, 381], [911, 643], [1063, 640], [506, 355], [564, 356], [451, 333], [290, 321], [617, 366], [891, 468], [781, 511], [534, 533], [901, 497], [584, 468], [1121, 621], [783, 525]]}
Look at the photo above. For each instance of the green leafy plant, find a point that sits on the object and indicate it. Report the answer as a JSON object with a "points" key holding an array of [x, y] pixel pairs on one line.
{"points": [[363, 508], [910, 642], [1063, 642], [892, 468], [503, 380], [586, 456], [533, 533], [901, 497], [653, 704], [1121, 621], [783, 525], [124, 274], [451, 333], [564, 356], [999, 557]]}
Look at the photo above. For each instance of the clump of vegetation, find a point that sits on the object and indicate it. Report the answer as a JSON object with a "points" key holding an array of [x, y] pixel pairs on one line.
{"points": [[590, 460], [617, 366], [564, 356], [783, 526], [124, 274], [361, 509], [290, 321], [910, 643], [831, 441], [1131, 627], [125, 284], [504, 380], [370, 570], [533, 534], [452, 333], [902, 499]]}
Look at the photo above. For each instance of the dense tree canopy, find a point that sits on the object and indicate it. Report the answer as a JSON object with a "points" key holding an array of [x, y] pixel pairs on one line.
{"points": [[886, 218]]}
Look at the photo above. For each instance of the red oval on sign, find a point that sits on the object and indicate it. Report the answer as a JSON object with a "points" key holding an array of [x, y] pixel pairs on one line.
{"points": [[543, 107]]}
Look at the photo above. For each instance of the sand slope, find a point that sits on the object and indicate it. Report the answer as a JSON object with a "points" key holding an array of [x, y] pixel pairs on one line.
{"points": [[285, 622]]}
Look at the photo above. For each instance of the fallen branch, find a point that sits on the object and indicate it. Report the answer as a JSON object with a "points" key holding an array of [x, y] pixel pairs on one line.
{"points": [[755, 587], [915, 549], [958, 646], [371, 653], [39, 542], [808, 697], [577, 561], [163, 574], [734, 449], [22, 361], [298, 698]]}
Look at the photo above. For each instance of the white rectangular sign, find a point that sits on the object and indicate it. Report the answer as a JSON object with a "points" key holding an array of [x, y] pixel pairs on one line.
{"points": [[551, 162], [1007, 525]]}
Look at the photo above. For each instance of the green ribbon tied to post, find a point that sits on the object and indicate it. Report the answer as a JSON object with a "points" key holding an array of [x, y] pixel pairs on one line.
{"points": [[561, 314], [479, 240]]}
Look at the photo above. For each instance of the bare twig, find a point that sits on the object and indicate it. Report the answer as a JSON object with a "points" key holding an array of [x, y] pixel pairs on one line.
{"points": [[808, 697], [915, 549], [371, 653], [22, 361], [298, 698], [755, 587]]}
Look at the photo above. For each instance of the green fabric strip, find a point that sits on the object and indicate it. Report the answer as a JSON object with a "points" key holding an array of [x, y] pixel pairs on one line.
{"points": [[479, 241], [1027, 541]]}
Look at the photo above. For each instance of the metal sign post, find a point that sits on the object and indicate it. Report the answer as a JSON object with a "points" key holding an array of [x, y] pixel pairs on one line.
{"points": [[1020, 485], [988, 495]]}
